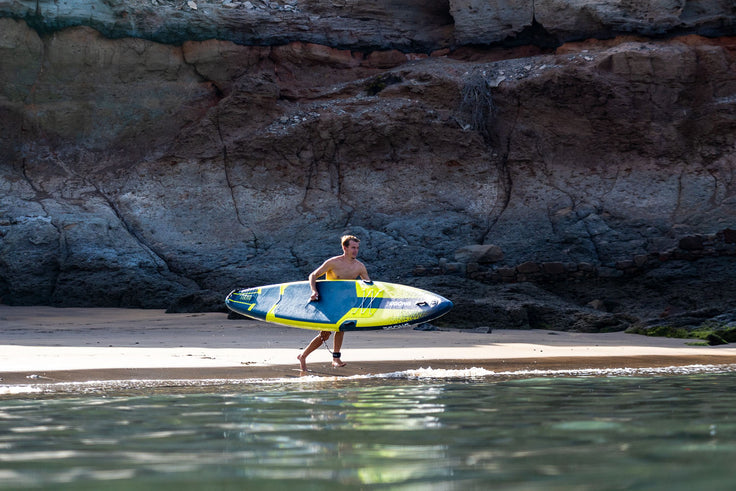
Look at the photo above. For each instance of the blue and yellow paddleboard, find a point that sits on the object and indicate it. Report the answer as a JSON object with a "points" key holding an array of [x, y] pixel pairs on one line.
{"points": [[343, 305]]}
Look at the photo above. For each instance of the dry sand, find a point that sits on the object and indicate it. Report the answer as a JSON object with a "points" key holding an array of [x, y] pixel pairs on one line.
{"points": [[42, 345]]}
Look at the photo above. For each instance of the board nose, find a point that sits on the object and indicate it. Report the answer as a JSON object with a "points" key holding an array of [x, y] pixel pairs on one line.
{"points": [[438, 306], [444, 306]]}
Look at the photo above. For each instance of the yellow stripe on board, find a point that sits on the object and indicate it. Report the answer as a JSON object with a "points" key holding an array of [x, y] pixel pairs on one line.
{"points": [[249, 304], [270, 316], [367, 314], [370, 295], [317, 326]]}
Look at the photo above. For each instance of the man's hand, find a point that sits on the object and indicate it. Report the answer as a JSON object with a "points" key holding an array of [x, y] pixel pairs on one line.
{"points": [[314, 297]]}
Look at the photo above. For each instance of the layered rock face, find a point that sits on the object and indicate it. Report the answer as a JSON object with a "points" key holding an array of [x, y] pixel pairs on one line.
{"points": [[157, 153]]}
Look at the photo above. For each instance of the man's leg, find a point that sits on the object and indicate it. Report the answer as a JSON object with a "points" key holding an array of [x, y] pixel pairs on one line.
{"points": [[336, 361], [313, 345]]}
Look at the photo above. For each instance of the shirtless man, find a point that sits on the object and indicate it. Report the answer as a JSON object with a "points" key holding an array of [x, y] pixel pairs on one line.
{"points": [[344, 267]]}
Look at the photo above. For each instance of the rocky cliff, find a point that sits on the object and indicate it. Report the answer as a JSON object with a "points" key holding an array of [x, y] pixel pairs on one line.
{"points": [[546, 163]]}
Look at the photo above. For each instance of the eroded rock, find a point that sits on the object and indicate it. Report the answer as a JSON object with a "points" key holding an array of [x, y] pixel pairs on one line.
{"points": [[137, 173]]}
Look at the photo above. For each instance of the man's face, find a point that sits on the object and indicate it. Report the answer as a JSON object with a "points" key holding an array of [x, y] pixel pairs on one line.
{"points": [[351, 250]]}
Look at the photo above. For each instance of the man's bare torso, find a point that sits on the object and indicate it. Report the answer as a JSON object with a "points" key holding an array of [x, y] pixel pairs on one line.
{"points": [[343, 269]]}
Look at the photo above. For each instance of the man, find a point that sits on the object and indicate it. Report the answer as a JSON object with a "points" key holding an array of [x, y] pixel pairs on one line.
{"points": [[344, 267]]}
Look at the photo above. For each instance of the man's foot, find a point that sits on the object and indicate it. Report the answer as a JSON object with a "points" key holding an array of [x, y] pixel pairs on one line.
{"points": [[302, 362], [336, 361]]}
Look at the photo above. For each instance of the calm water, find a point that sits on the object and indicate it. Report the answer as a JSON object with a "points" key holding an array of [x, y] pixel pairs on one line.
{"points": [[622, 430]]}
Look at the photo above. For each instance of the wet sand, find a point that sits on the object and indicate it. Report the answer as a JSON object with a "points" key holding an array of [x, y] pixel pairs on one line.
{"points": [[46, 345]]}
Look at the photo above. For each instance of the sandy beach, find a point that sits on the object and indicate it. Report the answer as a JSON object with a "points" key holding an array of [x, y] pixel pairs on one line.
{"points": [[46, 345]]}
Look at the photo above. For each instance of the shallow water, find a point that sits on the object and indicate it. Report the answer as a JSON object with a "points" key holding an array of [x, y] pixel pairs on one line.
{"points": [[624, 430]]}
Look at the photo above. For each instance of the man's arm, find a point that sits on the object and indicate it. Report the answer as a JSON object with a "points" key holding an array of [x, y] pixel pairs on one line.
{"points": [[364, 273], [313, 279]]}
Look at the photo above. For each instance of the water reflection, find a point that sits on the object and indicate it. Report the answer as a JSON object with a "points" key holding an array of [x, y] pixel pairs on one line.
{"points": [[350, 435], [658, 432]]}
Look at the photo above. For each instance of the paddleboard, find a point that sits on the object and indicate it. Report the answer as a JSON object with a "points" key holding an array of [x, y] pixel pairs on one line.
{"points": [[343, 305]]}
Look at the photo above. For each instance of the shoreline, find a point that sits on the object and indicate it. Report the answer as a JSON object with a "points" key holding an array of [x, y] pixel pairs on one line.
{"points": [[507, 368], [42, 346]]}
